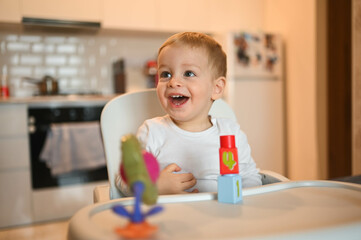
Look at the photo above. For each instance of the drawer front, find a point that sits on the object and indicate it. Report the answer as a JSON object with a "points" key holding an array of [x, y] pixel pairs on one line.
{"points": [[14, 153], [62, 202], [15, 198], [13, 120]]}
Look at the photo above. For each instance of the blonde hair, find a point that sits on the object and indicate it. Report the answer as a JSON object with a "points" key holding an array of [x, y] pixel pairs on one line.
{"points": [[217, 58]]}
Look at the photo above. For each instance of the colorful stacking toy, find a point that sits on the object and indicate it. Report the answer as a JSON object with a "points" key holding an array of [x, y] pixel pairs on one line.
{"points": [[140, 170], [229, 182]]}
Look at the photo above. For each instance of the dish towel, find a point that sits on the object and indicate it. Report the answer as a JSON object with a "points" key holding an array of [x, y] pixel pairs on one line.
{"points": [[73, 146]]}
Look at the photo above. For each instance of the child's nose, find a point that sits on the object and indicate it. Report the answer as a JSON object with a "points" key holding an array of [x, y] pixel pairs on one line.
{"points": [[174, 82]]}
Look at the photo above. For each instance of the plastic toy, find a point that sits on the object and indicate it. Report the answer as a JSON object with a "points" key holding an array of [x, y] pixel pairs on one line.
{"points": [[230, 188], [228, 155], [229, 182], [140, 170]]}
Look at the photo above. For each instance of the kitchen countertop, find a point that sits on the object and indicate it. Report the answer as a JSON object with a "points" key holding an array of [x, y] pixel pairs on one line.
{"points": [[60, 100]]}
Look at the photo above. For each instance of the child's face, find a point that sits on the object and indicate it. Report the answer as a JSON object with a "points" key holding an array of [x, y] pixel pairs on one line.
{"points": [[186, 87]]}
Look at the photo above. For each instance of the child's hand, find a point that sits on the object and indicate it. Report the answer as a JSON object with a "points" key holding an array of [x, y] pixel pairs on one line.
{"points": [[171, 183]]}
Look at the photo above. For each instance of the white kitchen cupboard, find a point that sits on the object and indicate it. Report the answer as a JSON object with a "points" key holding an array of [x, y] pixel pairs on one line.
{"points": [[14, 152], [186, 15], [56, 203], [13, 119], [15, 198], [235, 15], [79, 10], [130, 15], [10, 11], [156, 15], [144, 15], [15, 180]]}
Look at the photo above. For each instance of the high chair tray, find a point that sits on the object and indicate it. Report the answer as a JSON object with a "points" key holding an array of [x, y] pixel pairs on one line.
{"points": [[287, 210]]}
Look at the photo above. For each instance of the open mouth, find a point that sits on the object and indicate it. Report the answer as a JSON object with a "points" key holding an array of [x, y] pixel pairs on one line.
{"points": [[178, 100]]}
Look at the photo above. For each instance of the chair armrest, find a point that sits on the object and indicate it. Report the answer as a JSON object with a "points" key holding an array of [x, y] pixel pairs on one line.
{"points": [[101, 194], [269, 177]]}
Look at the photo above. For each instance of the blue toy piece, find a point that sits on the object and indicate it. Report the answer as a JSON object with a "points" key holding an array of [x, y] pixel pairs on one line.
{"points": [[230, 188], [136, 216]]}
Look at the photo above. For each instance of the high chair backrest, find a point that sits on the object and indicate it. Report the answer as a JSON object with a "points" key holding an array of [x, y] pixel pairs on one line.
{"points": [[124, 114]]}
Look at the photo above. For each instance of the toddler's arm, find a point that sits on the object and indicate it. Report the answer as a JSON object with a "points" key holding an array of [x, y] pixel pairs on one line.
{"points": [[122, 186], [175, 183], [168, 182]]}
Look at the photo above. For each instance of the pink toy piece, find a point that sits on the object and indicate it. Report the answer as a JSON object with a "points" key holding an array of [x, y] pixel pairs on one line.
{"points": [[122, 173], [152, 167]]}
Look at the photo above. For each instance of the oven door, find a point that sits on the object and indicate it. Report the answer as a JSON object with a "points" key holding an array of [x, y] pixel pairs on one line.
{"points": [[40, 121], [60, 196]]}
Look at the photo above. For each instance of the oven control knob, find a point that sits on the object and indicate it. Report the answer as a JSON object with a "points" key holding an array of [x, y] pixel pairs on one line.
{"points": [[72, 114], [31, 120], [56, 112], [32, 128]]}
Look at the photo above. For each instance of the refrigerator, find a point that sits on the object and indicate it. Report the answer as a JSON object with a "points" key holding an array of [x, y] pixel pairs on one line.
{"points": [[256, 92]]}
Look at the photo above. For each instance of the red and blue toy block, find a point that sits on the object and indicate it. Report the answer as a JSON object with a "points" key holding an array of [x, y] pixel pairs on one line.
{"points": [[229, 182]]}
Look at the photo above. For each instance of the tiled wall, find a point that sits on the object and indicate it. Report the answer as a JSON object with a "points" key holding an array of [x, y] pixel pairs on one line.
{"points": [[82, 62]]}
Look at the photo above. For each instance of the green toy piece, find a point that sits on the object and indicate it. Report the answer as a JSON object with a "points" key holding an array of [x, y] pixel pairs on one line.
{"points": [[135, 168], [228, 160]]}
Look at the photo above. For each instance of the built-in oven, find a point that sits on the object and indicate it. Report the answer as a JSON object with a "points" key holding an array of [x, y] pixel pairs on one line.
{"points": [[40, 121], [61, 195]]}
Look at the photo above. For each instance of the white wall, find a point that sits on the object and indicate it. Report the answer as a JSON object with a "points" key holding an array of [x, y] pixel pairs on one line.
{"points": [[296, 21], [258, 102], [259, 107], [305, 156]]}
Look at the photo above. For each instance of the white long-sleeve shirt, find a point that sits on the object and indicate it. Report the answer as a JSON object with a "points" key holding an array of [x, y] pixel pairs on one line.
{"points": [[198, 152]]}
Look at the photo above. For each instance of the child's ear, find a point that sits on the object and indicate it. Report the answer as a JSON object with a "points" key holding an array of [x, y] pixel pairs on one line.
{"points": [[218, 88]]}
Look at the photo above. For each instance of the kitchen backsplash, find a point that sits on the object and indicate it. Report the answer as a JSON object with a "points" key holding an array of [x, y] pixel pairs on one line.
{"points": [[82, 62]]}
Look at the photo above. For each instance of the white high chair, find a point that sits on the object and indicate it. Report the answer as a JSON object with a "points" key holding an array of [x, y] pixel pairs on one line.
{"points": [[124, 114]]}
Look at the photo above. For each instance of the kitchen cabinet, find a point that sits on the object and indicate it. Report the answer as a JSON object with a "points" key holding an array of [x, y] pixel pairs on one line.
{"points": [[15, 181], [144, 15], [14, 152], [13, 120], [186, 15], [62, 202], [156, 15], [235, 15], [133, 15], [15, 198], [10, 11], [79, 10]]}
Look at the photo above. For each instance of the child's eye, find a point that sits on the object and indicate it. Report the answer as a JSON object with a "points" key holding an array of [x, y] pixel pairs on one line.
{"points": [[165, 75], [189, 74]]}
